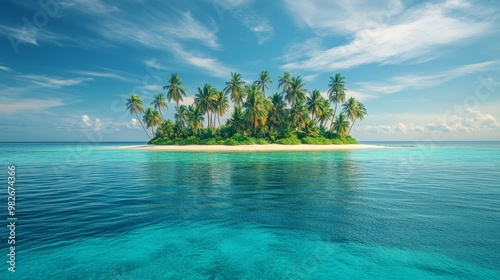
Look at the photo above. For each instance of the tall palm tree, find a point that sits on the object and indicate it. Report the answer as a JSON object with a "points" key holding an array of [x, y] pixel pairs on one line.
{"points": [[326, 113], [276, 110], [297, 90], [221, 104], [204, 101], [152, 119], [159, 103], [236, 86], [136, 106], [195, 118], [175, 90], [180, 117], [255, 107], [298, 114], [284, 82], [341, 125], [336, 91], [353, 110], [237, 120], [263, 82], [314, 104]]}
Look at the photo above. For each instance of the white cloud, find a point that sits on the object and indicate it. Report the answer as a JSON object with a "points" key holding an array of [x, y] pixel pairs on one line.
{"points": [[257, 24], [212, 66], [96, 124], [100, 75], [88, 123], [409, 34], [469, 121], [157, 31], [400, 83], [51, 82], [8, 106], [341, 16], [6, 69], [89, 6]]}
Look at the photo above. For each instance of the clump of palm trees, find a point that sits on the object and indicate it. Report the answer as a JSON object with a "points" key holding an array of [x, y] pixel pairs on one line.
{"points": [[292, 112]]}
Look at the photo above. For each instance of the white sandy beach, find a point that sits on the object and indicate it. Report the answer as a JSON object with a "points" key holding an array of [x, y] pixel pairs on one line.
{"points": [[253, 148]]}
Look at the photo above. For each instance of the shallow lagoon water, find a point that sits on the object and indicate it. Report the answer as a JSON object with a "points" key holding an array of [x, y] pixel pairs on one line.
{"points": [[429, 211]]}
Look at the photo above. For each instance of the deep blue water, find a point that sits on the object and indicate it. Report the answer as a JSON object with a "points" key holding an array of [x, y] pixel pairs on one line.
{"points": [[417, 211]]}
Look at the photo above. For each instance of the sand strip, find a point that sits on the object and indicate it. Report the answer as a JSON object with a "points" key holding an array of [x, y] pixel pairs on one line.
{"points": [[252, 148]]}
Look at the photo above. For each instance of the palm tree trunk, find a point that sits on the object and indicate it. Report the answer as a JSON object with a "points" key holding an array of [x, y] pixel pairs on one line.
{"points": [[218, 119], [351, 126], [143, 126]]}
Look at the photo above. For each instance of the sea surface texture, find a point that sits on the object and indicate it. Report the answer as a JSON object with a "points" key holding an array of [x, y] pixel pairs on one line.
{"points": [[416, 211]]}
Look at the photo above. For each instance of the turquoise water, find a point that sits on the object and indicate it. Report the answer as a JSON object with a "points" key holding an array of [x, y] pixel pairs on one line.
{"points": [[422, 211]]}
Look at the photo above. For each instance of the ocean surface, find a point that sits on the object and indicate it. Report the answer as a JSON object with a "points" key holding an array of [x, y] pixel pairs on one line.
{"points": [[93, 211]]}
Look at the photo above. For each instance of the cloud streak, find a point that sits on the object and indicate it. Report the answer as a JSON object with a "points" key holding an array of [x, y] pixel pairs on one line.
{"points": [[400, 83], [408, 35]]}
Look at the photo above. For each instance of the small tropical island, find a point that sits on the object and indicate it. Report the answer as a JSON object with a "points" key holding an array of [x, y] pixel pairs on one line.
{"points": [[292, 116]]}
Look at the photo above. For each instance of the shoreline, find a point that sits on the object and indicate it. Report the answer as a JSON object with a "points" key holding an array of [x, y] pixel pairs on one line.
{"points": [[254, 148]]}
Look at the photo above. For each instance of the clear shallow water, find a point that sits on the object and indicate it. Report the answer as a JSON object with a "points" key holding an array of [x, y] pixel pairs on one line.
{"points": [[430, 211]]}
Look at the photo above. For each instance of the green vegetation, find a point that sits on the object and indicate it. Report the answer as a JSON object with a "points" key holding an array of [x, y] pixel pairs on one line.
{"points": [[291, 117]]}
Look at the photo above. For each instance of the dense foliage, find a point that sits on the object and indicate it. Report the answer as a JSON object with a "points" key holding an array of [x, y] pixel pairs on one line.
{"points": [[293, 116]]}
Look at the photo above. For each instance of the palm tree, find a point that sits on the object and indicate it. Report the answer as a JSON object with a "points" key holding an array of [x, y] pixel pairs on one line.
{"points": [[136, 106], [159, 103], [326, 112], [277, 110], [297, 90], [336, 91], [263, 81], [284, 82], [353, 110], [237, 88], [237, 120], [152, 119], [314, 104], [341, 125], [175, 90], [180, 117], [204, 100], [195, 118], [255, 107], [298, 114], [221, 104]]}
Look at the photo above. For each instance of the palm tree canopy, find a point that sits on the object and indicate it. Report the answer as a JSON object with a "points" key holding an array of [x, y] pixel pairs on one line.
{"points": [[204, 98], [175, 90], [284, 82], [351, 108], [297, 90], [336, 89], [314, 103], [135, 104], [159, 102], [263, 82], [236, 86], [341, 125]]}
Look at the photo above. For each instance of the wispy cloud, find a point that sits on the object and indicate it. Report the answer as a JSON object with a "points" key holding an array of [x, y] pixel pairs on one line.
{"points": [[258, 25], [100, 75], [157, 32], [5, 68], [400, 83], [8, 106], [89, 6], [51, 82], [405, 35]]}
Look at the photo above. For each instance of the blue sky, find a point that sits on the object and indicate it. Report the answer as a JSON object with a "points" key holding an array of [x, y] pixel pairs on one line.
{"points": [[425, 70]]}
